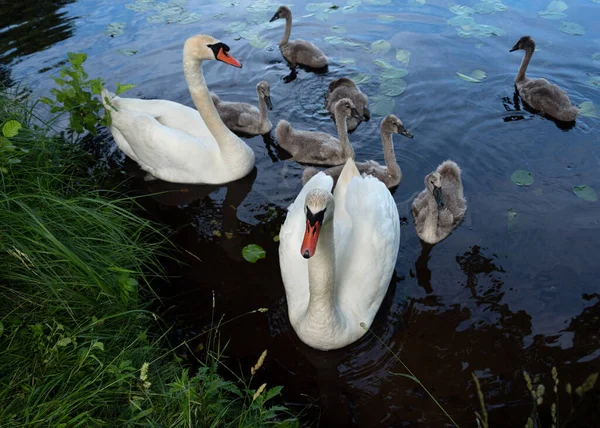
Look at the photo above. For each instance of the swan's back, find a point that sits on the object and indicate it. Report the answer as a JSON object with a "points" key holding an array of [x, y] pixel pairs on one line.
{"points": [[547, 98], [366, 262], [346, 88], [294, 267], [452, 189], [307, 146], [305, 53]]}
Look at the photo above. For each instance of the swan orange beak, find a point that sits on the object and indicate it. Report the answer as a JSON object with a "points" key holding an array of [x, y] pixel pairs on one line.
{"points": [[311, 236], [228, 59]]}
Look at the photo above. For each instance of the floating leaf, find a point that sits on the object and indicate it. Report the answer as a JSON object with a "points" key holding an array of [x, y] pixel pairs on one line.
{"points": [[393, 73], [468, 78], [461, 20], [479, 74], [253, 253], [190, 19], [596, 56], [392, 87], [360, 78], [235, 27], [489, 7], [403, 56], [155, 19], [512, 218], [334, 40], [522, 178], [588, 109], [461, 9], [586, 193], [114, 29], [347, 61], [127, 51], [572, 28], [381, 105], [380, 47], [140, 6], [11, 128], [479, 30], [338, 29], [554, 10]]}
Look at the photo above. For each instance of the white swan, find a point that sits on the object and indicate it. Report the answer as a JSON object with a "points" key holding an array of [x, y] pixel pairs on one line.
{"points": [[337, 255], [177, 143]]}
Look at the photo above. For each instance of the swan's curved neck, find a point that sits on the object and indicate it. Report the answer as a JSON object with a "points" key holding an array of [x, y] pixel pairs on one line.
{"points": [[342, 130], [262, 110], [288, 31], [321, 279], [192, 68], [521, 74], [389, 155], [431, 221]]}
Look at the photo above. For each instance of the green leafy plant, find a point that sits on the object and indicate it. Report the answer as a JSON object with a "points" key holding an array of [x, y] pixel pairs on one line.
{"points": [[77, 96], [9, 153]]}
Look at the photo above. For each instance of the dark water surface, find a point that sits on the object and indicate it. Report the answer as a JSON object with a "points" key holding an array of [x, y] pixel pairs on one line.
{"points": [[493, 298]]}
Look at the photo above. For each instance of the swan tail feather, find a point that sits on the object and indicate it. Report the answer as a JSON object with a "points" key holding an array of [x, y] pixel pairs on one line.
{"points": [[450, 169]]}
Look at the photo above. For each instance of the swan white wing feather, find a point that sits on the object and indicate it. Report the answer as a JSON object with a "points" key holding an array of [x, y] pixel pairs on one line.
{"points": [[365, 264], [169, 114], [294, 267], [167, 153]]}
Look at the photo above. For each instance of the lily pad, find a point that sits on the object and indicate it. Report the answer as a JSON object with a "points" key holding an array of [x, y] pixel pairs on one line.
{"points": [[596, 56], [392, 87], [338, 29], [554, 10], [114, 29], [522, 178], [140, 6], [393, 73], [347, 61], [586, 193], [480, 30], [572, 28], [253, 253], [190, 18], [235, 27], [360, 78], [588, 109], [461, 9], [11, 128], [155, 19], [403, 56], [380, 47], [128, 51], [512, 218], [460, 20], [334, 40], [381, 105], [476, 77], [489, 7]]}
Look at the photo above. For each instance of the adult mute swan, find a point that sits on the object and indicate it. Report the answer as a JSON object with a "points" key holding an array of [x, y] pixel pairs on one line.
{"points": [[337, 255], [177, 143], [539, 93]]}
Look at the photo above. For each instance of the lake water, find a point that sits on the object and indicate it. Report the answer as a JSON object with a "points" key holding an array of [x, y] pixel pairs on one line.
{"points": [[504, 293]]}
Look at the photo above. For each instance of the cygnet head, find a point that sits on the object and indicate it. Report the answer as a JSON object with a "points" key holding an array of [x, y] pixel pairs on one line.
{"points": [[264, 91], [345, 108], [318, 207], [203, 47], [391, 124], [283, 12], [525, 43], [433, 183]]}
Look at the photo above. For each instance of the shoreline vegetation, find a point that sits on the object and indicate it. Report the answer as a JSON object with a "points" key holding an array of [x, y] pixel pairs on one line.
{"points": [[79, 344]]}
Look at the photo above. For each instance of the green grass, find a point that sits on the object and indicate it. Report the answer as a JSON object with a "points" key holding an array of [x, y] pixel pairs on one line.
{"points": [[75, 326]]}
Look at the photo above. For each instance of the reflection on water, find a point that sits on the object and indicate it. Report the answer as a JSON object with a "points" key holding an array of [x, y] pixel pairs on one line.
{"points": [[490, 299], [30, 27]]}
